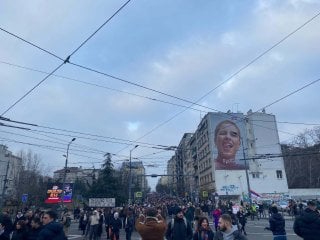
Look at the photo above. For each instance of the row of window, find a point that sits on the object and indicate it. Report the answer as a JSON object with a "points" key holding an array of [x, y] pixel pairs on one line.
{"points": [[202, 139], [204, 164], [204, 152], [206, 179]]}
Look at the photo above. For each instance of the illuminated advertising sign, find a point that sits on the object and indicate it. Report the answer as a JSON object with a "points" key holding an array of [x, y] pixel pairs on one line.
{"points": [[55, 193]]}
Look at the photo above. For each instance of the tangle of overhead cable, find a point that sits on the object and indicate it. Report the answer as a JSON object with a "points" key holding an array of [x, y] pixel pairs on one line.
{"points": [[236, 73], [67, 60]]}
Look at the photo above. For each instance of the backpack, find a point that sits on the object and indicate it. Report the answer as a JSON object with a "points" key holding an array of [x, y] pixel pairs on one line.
{"points": [[185, 222]]}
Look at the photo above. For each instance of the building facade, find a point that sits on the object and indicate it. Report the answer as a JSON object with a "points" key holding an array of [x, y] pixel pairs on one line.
{"points": [[234, 156], [10, 166]]}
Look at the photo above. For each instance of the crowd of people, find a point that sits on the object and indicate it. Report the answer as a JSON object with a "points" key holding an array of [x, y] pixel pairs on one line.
{"points": [[157, 219], [38, 225]]}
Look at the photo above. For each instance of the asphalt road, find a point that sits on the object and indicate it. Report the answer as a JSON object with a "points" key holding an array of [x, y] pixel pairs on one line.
{"points": [[255, 231]]}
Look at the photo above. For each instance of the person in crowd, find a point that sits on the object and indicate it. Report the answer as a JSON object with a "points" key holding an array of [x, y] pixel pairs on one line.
{"points": [[28, 217], [204, 232], [101, 220], [179, 228], [190, 213], [19, 216], [107, 221], [253, 211], [66, 222], [216, 215], [4, 235], [115, 226], [6, 221], [151, 226], [197, 215], [227, 231], [36, 227], [76, 213], [307, 225], [261, 210], [94, 223], [227, 141], [83, 222], [277, 225], [129, 224], [241, 215], [51, 229], [20, 233]]}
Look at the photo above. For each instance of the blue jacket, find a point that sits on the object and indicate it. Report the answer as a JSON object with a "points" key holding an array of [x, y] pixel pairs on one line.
{"points": [[277, 224]]}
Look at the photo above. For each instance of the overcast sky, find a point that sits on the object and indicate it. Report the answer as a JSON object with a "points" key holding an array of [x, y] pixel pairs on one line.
{"points": [[178, 48]]}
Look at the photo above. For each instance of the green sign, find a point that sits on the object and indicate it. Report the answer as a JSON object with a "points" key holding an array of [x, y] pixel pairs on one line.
{"points": [[204, 194], [138, 194]]}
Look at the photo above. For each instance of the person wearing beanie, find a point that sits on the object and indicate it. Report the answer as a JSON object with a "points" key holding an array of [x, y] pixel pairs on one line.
{"points": [[179, 228], [277, 225], [151, 226]]}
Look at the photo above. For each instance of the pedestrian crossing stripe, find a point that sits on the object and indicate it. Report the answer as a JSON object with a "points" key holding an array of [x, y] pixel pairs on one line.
{"points": [[73, 236]]}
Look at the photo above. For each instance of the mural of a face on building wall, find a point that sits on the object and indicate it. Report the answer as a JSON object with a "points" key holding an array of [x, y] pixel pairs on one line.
{"points": [[227, 140]]}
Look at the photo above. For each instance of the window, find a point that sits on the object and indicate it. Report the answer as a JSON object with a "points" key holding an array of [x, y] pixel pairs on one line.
{"points": [[255, 175], [279, 174]]}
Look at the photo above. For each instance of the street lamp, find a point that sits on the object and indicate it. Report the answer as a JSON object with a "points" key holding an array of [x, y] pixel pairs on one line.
{"points": [[130, 175], [65, 171]]}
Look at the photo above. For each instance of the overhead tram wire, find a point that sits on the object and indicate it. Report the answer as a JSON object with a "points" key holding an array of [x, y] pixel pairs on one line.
{"points": [[32, 44], [234, 74], [95, 151], [48, 147], [100, 86], [144, 87], [169, 95], [96, 136], [239, 69], [64, 61], [289, 94], [33, 88]]}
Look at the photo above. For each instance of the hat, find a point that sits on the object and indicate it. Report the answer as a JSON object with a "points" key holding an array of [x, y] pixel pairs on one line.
{"points": [[311, 203]]}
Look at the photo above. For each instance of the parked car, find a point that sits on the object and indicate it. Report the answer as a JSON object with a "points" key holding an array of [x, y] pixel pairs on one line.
{"points": [[283, 205]]}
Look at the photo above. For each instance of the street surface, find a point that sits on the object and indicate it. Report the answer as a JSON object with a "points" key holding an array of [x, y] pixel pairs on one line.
{"points": [[255, 230]]}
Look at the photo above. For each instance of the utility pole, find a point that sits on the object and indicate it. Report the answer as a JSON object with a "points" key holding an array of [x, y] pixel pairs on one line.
{"points": [[65, 172], [247, 174], [4, 185]]}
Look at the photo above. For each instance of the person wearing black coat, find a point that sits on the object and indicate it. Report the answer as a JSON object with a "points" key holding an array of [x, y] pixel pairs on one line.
{"points": [[3, 234], [35, 229], [204, 232], [277, 225], [307, 226], [20, 233], [51, 229], [241, 215], [179, 228], [6, 221], [115, 225]]}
